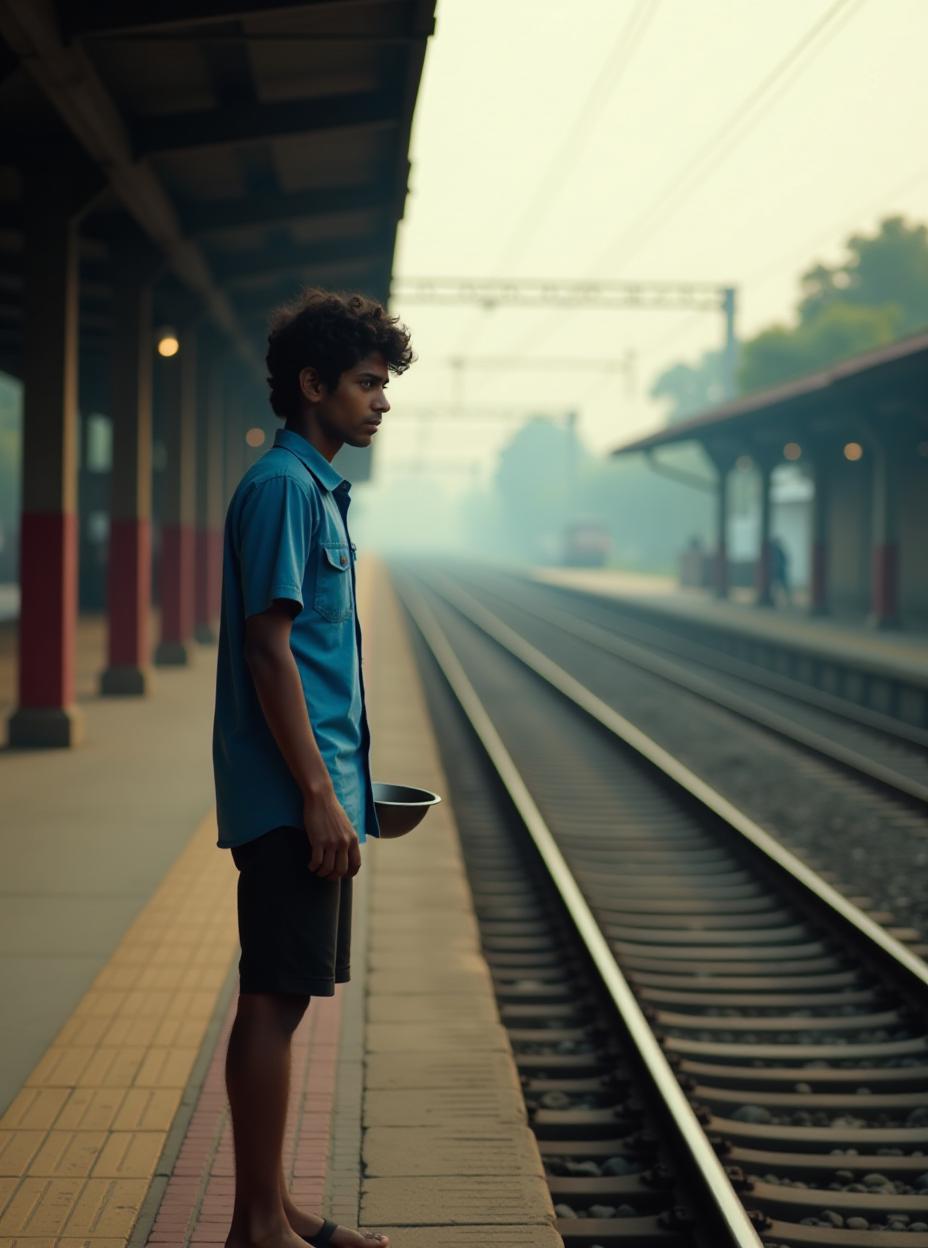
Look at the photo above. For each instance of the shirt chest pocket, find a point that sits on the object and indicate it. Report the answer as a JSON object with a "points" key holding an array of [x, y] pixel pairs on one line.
{"points": [[332, 598]]}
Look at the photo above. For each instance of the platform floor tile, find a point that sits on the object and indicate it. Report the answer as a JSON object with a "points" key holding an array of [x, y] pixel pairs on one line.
{"points": [[458, 1149], [484, 1200], [474, 1236], [431, 1007], [460, 1069], [423, 1107], [81, 1142]]}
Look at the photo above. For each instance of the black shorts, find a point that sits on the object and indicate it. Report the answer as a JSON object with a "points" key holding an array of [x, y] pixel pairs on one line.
{"points": [[294, 928]]}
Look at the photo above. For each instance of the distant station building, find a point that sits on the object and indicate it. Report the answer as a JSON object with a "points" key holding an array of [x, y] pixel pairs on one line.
{"points": [[171, 172], [859, 433]]}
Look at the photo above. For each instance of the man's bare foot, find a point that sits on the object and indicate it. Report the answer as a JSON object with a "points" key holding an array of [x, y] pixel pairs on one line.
{"points": [[308, 1225], [287, 1238]]}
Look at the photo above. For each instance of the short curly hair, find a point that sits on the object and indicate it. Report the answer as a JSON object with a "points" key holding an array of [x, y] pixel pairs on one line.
{"points": [[330, 332]]}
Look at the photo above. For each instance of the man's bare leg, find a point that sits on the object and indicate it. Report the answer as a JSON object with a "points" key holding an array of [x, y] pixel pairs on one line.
{"points": [[258, 1084]]}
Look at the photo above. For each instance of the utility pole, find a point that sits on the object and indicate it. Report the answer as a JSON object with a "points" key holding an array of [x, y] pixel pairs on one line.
{"points": [[730, 350]]}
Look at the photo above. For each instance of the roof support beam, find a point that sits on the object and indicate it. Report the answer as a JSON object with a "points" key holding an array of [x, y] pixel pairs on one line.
{"points": [[341, 254], [279, 209], [70, 82], [254, 306], [179, 132], [110, 17]]}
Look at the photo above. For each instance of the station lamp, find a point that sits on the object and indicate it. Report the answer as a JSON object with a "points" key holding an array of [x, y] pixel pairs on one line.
{"points": [[168, 343], [255, 437], [853, 451]]}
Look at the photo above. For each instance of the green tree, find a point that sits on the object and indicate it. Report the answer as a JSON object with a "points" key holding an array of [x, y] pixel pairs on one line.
{"points": [[836, 331], [689, 388], [888, 269], [533, 484], [876, 294]]}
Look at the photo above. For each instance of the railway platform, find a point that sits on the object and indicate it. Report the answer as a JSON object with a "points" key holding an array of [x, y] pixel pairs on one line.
{"points": [[882, 649], [119, 974], [884, 671]]}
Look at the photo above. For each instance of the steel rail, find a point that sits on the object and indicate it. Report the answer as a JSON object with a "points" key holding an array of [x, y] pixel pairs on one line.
{"points": [[727, 665], [913, 968], [669, 669], [692, 1138]]}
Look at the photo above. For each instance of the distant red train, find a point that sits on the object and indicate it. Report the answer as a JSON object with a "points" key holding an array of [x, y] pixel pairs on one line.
{"points": [[585, 544]]}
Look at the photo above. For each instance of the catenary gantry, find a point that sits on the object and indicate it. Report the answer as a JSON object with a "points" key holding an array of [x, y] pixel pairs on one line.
{"points": [[186, 165]]}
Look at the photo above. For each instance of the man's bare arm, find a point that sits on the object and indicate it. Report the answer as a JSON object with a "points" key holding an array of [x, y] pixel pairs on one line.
{"points": [[333, 840]]}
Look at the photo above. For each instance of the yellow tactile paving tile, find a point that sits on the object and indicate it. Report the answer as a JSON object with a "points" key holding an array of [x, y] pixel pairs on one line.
{"points": [[80, 1142], [68, 1241]]}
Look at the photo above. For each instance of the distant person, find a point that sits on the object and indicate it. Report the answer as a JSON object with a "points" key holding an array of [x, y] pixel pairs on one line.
{"points": [[779, 571], [290, 739], [693, 563]]}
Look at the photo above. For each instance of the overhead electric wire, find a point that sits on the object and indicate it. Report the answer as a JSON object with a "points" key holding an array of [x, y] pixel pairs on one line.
{"points": [[739, 123], [742, 119], [565, 156], [557, 169]]}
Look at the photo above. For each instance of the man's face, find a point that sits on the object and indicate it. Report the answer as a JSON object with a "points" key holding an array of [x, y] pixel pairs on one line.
{"points": [[352, 412]]}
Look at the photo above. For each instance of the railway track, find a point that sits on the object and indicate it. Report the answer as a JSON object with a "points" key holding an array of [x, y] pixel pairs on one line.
{"points": [[772, 1034], [886, 750]]}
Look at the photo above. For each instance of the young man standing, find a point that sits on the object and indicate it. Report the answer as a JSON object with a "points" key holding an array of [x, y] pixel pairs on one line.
{"points": [[290, 741]]}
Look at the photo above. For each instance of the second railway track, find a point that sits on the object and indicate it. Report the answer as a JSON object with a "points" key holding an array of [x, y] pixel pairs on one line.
{"points": [[889, 752], [793, 1023]]}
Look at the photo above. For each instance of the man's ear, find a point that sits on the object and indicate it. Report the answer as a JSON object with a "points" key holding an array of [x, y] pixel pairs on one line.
{"points": [[312, 387]]}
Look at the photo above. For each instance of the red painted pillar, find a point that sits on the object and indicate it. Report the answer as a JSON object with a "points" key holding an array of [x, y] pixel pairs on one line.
{"points": [[45, 713], [818, 562], [209, 499], [177, 571], [129, 568], [884, 575], [763, 576]]}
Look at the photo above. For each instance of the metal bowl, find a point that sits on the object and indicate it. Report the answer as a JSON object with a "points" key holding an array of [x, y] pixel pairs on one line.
{"points": [[400, 807]]}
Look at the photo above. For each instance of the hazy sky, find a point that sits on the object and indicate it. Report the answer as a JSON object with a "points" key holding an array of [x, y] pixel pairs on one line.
{"points": [[640, 139]]}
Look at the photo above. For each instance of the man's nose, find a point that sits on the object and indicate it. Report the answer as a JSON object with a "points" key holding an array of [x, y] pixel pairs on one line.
{"points": [[383, 403]]}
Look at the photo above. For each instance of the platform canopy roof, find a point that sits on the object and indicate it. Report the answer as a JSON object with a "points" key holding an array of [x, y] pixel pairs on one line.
{"points": [[891, 382], [248, 147]]}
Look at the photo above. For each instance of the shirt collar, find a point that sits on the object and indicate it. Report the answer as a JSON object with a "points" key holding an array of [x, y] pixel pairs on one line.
{"points": [[317, 463]]}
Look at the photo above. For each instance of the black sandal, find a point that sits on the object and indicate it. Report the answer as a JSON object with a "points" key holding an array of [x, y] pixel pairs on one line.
{"points": [[324, 1235]]}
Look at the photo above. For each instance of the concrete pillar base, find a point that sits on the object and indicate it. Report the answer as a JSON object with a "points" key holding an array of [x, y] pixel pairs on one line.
{"points": [[206, 634], [124, 681], [883, 623], [173, 654], [46, 727]]}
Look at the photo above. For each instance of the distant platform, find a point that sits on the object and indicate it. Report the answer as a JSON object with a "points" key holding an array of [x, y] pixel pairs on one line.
{"points": [[890, 653]]}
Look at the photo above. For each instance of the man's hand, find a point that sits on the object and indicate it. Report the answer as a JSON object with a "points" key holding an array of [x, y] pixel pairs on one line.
{"points": [[335, 850]]}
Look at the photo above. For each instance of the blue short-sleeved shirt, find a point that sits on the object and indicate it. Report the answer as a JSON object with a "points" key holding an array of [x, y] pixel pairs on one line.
{"points": [[286, 536]]}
